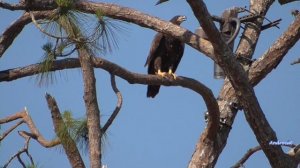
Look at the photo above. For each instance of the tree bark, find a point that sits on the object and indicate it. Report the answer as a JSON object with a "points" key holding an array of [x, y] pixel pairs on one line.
{"points": [[92, 109], [67, 142]]}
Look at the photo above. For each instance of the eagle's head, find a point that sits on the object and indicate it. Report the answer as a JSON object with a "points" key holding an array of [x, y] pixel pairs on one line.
{"points": [[178, 19]]}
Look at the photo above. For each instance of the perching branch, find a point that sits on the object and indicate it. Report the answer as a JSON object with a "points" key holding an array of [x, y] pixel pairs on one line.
{"points": [[118, 106], [10, 130], [131, 77]]}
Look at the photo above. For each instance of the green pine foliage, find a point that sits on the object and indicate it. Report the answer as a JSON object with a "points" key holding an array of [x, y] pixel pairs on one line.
{"points": [[69, 30]]}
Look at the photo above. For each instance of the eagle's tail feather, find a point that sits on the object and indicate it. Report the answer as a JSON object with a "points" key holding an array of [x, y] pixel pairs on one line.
{"points": [[152, 90]]}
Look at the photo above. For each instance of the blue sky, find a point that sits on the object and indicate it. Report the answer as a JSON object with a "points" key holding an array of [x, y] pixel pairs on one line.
{"points": [[160, 132]]}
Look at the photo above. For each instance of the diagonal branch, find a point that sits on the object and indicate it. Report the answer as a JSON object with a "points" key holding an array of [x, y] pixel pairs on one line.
{"points": [[118, 106], [297, 61], [246, 157], [144, 20], [29, 5], [9, 35], [273, 56], [251, 151], [68, 143], [10, 130], [34, 132], [125, 14], [245, 93]]}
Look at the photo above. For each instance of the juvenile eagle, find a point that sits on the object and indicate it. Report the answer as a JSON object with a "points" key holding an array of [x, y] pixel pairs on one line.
{"points": [[164, 56]]}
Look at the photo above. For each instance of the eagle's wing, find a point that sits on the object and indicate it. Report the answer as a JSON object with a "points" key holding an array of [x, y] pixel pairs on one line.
{"points": [[157, 43]]}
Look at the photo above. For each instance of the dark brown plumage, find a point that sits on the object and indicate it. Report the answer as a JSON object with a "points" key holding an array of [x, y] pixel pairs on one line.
{"points": [[164, 56]]}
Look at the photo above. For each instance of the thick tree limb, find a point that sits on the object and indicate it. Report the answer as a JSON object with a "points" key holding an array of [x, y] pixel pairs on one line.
{"points": [[35, 134], [238, 78], [118, 106], [29, 5], [67, 142], [250, 36], [139, 18], [273, 56], [144, 20], [91, 106], [9, 35]]}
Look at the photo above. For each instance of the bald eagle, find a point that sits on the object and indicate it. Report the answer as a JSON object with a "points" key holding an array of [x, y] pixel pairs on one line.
{"points": [[164, 56]]}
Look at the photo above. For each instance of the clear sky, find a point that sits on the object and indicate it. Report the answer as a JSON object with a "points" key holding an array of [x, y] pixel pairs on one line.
{"points": [[160, 132]]}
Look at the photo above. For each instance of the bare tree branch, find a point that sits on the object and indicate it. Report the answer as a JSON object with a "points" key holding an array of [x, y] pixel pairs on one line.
{"points": [[273, 56], [35, 134], [23, 150], [282, 2], [9, 35], [137, 17], [10, 130], [118, 106], [246, 95], [246, 156], [29, 5], [9, 6], [251, 151], [68, 143], [144, 20], [296, 62], [131, 77], [91, 106]]}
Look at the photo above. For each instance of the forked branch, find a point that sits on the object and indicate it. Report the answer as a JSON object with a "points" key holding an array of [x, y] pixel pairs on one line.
{"points": [[251, 151], [10, 130], [34, 132], [23, 150]]}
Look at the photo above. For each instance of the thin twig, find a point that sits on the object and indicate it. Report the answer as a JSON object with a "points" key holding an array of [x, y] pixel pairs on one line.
{"points": [[246, 156], [43, 31], [18, 154], [272, 24], [296, 62], [118, 106], [251, 151], [10, 130]]}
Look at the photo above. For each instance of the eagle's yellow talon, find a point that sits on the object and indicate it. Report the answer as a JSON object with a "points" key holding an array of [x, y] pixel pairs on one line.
{"points": [[171, 73], [160, 73]]}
